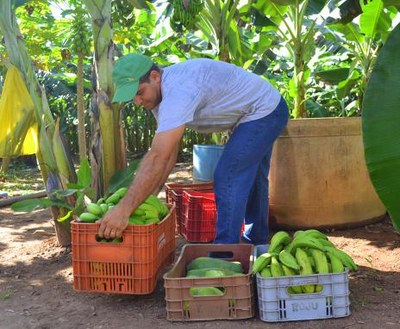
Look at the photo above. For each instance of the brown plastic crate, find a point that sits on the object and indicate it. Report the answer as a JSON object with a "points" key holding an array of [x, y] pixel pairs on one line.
{"points": [[129, 267], [173, 195], [237, 301]]}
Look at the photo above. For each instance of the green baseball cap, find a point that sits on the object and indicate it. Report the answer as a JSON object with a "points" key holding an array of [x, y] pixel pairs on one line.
{"points": [[126, 75]]}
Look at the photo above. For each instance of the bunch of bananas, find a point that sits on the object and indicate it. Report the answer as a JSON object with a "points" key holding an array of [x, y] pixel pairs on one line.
{"points": [[151, 211], [307, 252], [185, 13], [81, 33]]}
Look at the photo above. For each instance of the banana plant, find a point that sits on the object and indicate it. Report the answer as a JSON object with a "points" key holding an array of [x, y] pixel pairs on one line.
{"points": [[107, 150], [55, 166], [363, 39], [380, 126], [295, 24], [81, 47]]}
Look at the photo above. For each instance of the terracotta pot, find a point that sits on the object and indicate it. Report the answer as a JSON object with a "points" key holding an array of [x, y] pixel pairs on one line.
{"points": [[319, 178]]}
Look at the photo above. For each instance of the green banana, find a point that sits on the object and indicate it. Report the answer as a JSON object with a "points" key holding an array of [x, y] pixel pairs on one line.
{"points": [[261, 262], [94, 209], [158, 204], [104, 208], [278, 241], [152, 220], [344, 258], [266, 272], [312, 233], [304, 242], [100, 201], [113, 198], [276, 267], [121, 192], [88, 217], [336, 263], [286, 258], [290, 272], [321, 263], [326, 243], [305, 268]]}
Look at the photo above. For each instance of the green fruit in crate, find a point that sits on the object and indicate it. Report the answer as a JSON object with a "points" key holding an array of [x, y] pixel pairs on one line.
{"points": [[100, 201], [336, 263], [205, 291], [88, 217], [104, 208], [208, 262], [261, 262], [304, 242], [113, 198], [95, 209], [276, 268], [207, 272], [286, 258], [320, 261], [139, 212], [266, 272], [290, 272], [158, 204], [278, 241], [344, 257], [150, 220], [310, 233], [137, 220], [305, 268], [121, 192]]}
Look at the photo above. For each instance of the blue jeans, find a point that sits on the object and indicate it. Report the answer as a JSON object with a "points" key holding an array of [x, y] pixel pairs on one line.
{"points": [[241, 179]]}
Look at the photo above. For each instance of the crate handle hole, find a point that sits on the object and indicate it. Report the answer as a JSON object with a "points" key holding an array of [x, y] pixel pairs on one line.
{"points": [[111, 240]]}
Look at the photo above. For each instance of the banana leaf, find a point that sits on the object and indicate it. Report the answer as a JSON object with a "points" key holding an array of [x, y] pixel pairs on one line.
{"points": [[381, 126]]}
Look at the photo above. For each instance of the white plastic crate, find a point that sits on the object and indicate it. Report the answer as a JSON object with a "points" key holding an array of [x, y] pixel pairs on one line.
{"points": [[277, 305]]}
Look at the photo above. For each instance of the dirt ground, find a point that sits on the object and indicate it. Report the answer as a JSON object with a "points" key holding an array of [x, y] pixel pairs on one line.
{"points": [[36, 283]]}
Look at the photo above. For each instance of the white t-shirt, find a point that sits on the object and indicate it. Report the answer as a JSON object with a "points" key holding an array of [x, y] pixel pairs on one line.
{"points": [[212, 96]]}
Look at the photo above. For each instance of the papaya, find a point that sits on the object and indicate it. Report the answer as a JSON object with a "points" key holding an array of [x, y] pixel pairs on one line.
{"points": [[205, 291], [214, 263], [210, 272]]}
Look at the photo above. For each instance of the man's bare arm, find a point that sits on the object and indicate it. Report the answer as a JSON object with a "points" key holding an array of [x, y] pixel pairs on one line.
{"points": [[152, 171]]}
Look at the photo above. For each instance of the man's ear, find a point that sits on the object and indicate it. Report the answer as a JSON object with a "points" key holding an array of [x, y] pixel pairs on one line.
{"points": [[156, 76]]}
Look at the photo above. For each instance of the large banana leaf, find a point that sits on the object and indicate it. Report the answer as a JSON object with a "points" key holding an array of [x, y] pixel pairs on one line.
{"points": [[381, 126]]}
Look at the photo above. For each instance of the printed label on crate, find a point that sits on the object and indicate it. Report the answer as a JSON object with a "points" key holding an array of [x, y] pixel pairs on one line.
{"points": [[316, 308]]}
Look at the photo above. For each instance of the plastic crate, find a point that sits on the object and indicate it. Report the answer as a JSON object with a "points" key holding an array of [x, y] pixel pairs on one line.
{"points": [[199, 216], [237, 301], [277, 305], [129, 267], [173, 195]]}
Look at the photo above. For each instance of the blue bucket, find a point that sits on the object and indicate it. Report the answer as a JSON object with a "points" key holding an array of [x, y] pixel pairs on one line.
{"points": [[205, 160]]}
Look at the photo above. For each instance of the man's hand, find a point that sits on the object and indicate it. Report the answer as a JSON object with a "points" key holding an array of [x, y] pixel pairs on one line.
{"points": [[113, 223]]}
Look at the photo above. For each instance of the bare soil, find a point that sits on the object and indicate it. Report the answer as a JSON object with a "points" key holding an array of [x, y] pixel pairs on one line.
{"points": [[36, 282]]}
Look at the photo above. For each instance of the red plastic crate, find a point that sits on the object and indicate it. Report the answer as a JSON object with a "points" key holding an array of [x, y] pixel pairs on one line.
{"points": [[237, 302], [173, 195], [199, 216], [129, 267]]}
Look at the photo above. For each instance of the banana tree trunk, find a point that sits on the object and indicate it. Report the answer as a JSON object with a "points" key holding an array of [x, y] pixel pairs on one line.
{"points": [[81, 110], [107, 152], [48, 162]]}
